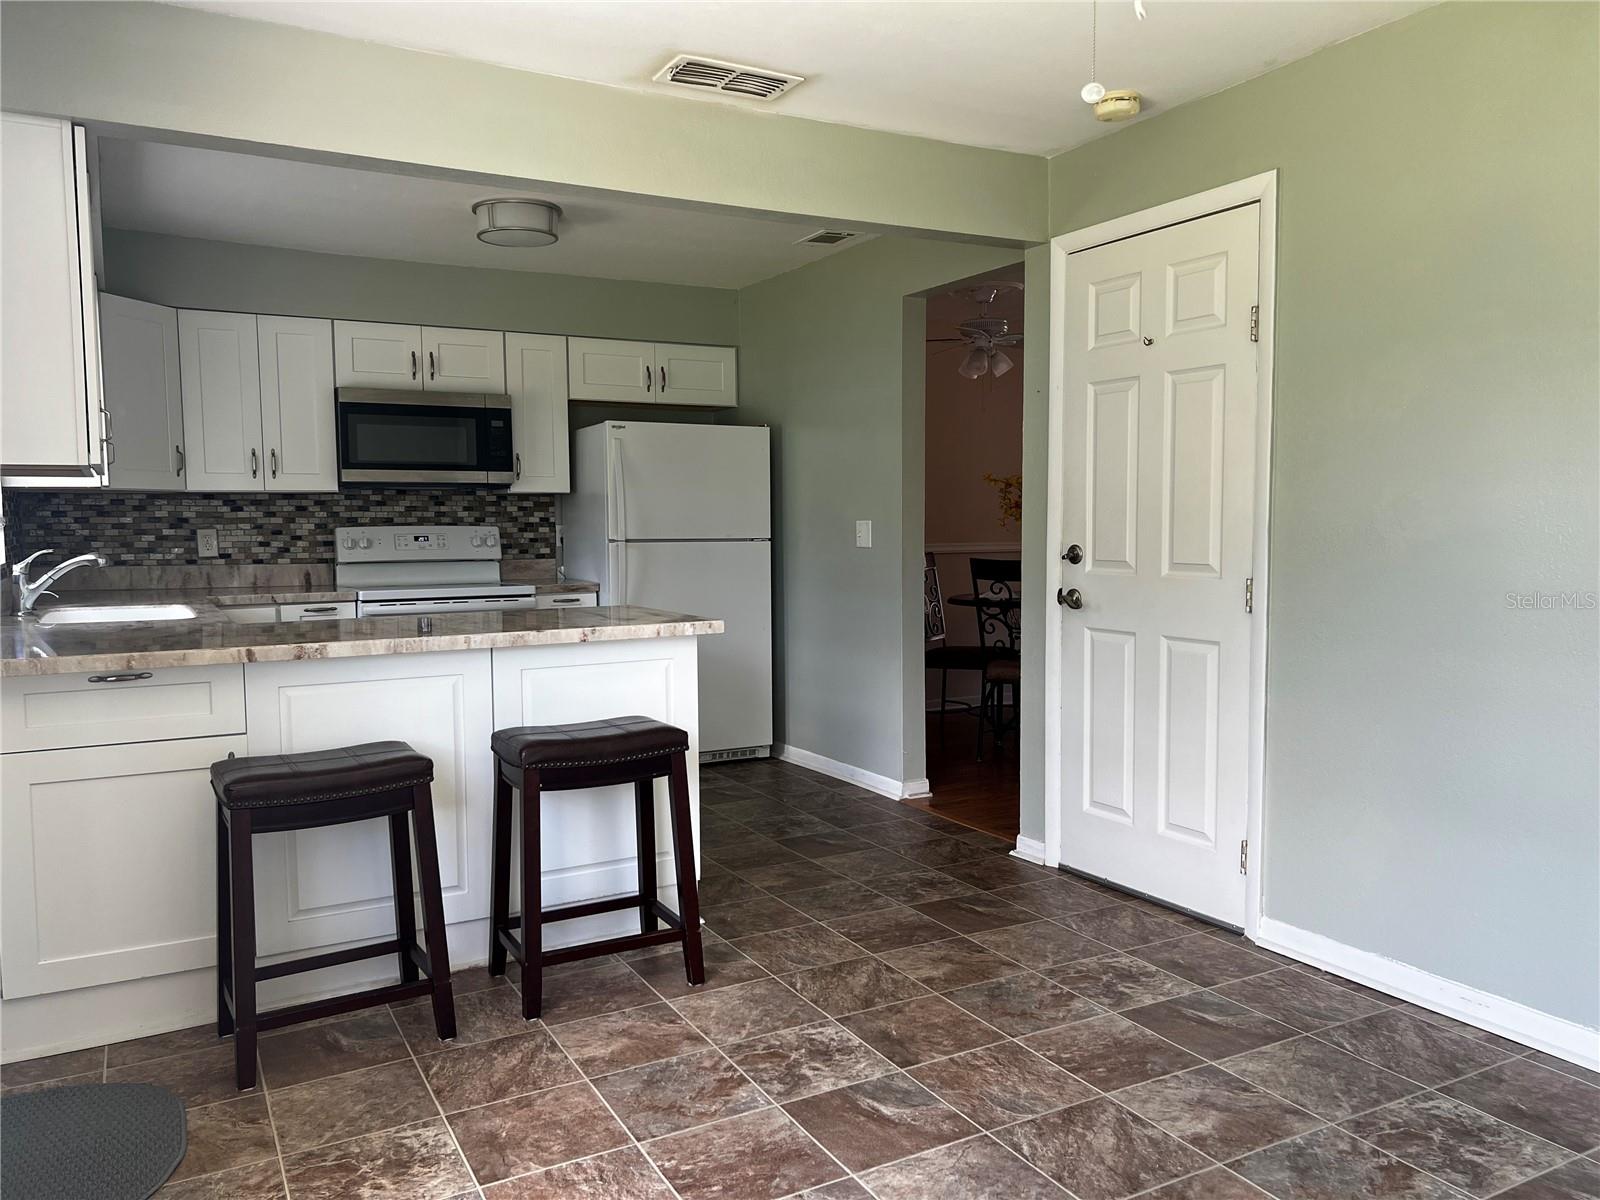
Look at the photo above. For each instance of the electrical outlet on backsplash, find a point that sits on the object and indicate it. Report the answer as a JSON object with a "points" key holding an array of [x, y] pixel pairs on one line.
{"points": [[257, 529]]}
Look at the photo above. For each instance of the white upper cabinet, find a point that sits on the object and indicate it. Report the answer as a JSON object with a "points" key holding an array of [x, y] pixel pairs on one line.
{"points": [[366, 354], [463, 360], [700, 375], [418, 358], [536, 378], [297, 417], [49, 345], [143, 398], [605, 369], [221, 401], [652, 372]]}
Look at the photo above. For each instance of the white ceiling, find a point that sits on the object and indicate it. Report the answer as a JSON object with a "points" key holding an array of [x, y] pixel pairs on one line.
{"points": [[1004, 73], [190, 192]]}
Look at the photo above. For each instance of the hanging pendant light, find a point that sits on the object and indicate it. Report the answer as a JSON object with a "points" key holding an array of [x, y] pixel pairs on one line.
{"points": [[975, 364]]}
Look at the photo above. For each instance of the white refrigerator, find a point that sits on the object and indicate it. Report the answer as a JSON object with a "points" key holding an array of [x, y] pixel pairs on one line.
{"points": [[679, 517]]}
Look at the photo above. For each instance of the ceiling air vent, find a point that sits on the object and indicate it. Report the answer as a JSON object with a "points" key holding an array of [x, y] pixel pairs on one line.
{"points": [[734, 79], [825, 237]]}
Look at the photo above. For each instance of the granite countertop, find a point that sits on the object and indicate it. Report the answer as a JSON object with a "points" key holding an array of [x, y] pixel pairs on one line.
{"points": [[211, 638]]}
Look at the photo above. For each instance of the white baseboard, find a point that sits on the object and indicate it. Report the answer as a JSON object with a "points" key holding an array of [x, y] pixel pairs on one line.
{"points": [[916, 789], [835, 769], [1509, 1018], [1029, 849]]}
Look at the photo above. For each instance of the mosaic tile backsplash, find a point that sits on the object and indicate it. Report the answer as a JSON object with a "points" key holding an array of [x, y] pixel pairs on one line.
{"points": [[158, 528]]}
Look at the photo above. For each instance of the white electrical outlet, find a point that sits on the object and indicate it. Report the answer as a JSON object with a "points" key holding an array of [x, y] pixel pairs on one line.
{"points": [[206, 543], [864, 535]]}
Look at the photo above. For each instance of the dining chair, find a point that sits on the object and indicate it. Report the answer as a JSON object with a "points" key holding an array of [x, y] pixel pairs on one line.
{"points": [[997, 599], [937, 654]]}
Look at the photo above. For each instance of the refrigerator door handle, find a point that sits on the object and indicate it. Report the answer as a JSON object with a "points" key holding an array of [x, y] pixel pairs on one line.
{"points": [[621, 532]]}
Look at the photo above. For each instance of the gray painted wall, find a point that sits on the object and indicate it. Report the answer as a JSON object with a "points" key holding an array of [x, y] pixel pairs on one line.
{"points": [[194, 273], [823, 359], [1431, 784]]}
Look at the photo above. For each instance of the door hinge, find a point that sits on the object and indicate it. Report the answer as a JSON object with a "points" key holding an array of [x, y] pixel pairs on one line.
{"points": [[1250, 595], [1255, 322], [1244, 857]]}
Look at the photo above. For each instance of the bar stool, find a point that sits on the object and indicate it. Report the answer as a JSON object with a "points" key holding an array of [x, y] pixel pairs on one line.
{"points": [[553, 758], [279, 792]]}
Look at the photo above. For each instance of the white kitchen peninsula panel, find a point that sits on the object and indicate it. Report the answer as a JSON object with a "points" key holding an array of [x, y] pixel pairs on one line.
{"points": [[588, 836], [318, 888], [107, 855]]}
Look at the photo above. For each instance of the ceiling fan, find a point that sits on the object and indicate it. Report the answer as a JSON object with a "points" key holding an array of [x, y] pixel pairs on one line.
{"points": [[985, 337]]}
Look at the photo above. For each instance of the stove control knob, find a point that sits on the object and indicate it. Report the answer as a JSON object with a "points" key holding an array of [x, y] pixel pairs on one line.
{"points": [[491, 540], [348, 543], [365, 543], [477, 540]]}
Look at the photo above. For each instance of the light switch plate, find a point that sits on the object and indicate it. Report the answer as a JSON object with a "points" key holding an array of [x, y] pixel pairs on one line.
{"points": [[205, 541], [864, 535]]}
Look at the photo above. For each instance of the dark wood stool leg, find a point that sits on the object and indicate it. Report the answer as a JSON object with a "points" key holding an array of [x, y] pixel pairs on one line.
{"points": [[224, 929], [694, 960], [500, 885], [405, 900], [644, 804], [532, 902], [243, 900], [444, 1008]]}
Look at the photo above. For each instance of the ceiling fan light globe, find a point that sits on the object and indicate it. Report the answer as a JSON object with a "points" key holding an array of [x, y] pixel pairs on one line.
{"points": [[1000, 362], [974, 364]]}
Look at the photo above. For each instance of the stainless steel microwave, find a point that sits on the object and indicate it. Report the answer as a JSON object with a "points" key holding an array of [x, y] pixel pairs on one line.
{"points": [[415, 438]]}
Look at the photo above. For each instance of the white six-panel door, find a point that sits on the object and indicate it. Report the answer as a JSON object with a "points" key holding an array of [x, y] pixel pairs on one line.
{"points": [[1160, 394]]}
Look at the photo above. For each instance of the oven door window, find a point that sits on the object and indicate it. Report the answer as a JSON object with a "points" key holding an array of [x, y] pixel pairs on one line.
{"points": [[384, 437]]}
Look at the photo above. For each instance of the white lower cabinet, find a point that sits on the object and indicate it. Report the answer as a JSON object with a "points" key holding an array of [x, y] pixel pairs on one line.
{"points": [[108, 854], [324, 887]]}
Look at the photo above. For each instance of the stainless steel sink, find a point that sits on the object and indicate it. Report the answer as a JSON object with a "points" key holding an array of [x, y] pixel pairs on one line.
{"points": [[112, 614]]}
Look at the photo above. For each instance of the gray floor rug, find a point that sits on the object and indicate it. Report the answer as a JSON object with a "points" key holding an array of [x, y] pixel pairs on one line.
{"points": [[111, 1141]]}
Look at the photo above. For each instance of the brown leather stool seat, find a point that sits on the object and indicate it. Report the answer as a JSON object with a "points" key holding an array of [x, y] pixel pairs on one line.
{"points": [[533, 759], [588, 744], [274, 779], [274, 793]]}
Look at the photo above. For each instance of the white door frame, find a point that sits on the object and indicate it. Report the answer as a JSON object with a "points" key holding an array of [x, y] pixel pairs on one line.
{"points": [[1261, 188]]}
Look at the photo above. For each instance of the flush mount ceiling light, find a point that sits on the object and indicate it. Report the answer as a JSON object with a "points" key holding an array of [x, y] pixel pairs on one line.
{"points": [[1119, 105], [513, 221]]}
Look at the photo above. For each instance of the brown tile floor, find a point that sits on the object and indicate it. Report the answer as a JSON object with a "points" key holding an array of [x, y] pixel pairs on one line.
{"points": [[895, 1010]]}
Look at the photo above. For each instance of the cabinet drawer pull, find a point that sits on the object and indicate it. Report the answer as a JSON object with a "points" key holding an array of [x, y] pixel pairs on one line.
{"points": [[564, 600], [321, 608], [127, 677]]}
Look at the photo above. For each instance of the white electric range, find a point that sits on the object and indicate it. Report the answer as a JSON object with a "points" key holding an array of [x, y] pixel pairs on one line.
{"points": [[424, 569]]}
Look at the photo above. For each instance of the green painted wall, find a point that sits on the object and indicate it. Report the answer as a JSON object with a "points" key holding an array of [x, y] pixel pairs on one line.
{"points": [[217, 77], [824, 358], [195, 273], [1431, 750]]}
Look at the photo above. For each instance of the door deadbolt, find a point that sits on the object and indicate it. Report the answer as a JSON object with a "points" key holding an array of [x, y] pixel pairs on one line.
{"points": [[1071, 598], [1074, 554]]}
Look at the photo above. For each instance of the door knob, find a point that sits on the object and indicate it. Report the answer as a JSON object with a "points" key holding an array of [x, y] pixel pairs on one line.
{"points": [[1074, 554], [1072, 597]]}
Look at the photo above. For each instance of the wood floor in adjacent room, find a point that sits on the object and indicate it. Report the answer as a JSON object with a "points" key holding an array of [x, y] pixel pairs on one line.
{"points": [[981, 795]]}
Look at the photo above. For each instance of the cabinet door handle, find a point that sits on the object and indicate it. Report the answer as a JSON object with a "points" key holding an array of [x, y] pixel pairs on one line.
{"points": [[255, 463], [107, 438], [413, 364], [430, 364], [517, 465], [663, 379], [649, 379], [177, 457], [126, 677], [272, 456]]}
